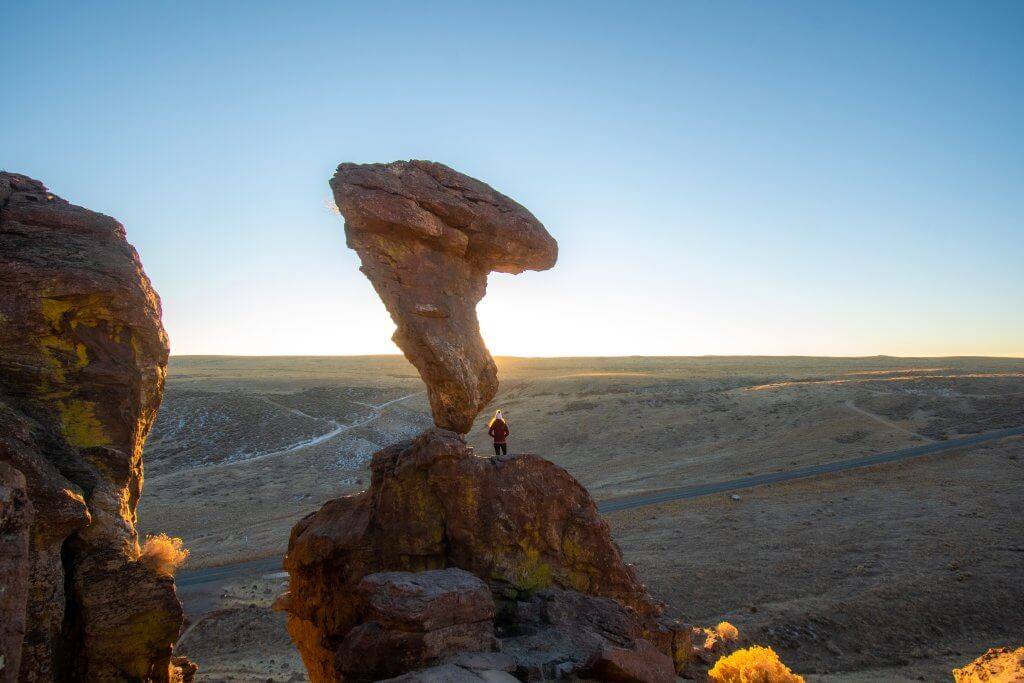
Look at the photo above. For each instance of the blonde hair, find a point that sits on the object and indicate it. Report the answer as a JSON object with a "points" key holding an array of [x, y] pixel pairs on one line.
{"points": [[497, 416]]}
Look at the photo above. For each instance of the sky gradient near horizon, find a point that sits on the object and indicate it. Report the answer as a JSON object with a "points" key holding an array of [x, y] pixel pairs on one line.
{"points": [[723, 178]]}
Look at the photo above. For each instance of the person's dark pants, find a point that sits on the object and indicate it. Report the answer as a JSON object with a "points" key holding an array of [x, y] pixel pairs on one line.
{"points": [[500, 449]]}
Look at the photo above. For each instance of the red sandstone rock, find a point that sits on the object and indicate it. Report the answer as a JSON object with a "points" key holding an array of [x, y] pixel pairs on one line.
{"points": [[426, 601], [427, 237], [82, 363], [641, 663], [560, 633], [521, 523], [411, 621]]}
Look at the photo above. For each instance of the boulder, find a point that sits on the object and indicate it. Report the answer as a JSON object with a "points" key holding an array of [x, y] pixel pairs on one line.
{"points": [[642, 663], [410, 621], [521, 524], [427, 237], [560, 633], [82, 363], [426, 601], [453, 673]]}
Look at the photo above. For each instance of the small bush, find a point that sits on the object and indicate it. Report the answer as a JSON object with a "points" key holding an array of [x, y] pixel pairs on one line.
{"points": [[163, 554], [727, 631], [752, 665]]}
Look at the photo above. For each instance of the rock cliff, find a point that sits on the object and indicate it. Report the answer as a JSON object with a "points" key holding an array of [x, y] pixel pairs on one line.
{"points": [[427, 237], [82, 363]]}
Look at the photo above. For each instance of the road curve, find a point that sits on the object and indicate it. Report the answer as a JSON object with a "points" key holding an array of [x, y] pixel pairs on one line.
{"points": [[683, 492], [201, 579]]}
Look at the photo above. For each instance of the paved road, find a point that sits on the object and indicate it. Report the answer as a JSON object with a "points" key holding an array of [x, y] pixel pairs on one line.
{"points": [[683, 492], [197, 585], [197, 577]]}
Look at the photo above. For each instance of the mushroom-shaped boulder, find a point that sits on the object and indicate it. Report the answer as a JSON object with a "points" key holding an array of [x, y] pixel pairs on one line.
{"points": [[427, 237]]}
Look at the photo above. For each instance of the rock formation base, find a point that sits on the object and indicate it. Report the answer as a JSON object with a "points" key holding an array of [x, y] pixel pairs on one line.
{"points": [[564, 601]]}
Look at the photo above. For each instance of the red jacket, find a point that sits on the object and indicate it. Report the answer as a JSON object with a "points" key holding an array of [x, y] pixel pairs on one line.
{"points": [[498, 431]]}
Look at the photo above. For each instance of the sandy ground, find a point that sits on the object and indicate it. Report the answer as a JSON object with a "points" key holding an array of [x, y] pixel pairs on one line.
{"points": [[901, 571], [915, 565]]}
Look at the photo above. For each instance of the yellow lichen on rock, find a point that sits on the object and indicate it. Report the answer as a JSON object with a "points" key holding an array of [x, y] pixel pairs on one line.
{"points": [[70, 312], [84, 356], [752, 665], [532, 573], [79, 424]]}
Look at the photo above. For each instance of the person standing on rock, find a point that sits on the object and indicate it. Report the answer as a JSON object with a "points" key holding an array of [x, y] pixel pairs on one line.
{"points": [[497, 428]]}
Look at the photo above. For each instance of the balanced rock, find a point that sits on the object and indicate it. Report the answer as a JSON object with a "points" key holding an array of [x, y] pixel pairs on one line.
{"points": [[427, 237], [82, 364]]}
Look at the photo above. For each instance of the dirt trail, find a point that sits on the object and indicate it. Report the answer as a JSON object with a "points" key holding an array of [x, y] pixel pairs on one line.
{"points": [[888, 423], [338, 429]]}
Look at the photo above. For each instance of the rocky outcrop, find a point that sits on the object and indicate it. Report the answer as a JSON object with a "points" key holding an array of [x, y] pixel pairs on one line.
{"points": [[559, 633], [82, 364], [997, 665], [427, 237], [520, 523], [411, 621]]}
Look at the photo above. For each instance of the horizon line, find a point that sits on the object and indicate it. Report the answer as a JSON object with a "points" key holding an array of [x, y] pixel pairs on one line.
{"points": [[599, 356]]}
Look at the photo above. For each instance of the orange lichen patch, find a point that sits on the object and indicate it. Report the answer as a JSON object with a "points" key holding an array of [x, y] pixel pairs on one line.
{"points": [[163, 554], [79, 424], [752, 665]]}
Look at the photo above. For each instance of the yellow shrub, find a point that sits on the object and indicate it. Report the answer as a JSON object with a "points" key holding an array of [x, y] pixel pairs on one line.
{"points": [[752, 665], [163, 554], [727, 631]]}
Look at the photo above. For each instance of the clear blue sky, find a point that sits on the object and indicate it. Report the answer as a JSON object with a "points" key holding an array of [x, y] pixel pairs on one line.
{"points": [[817, 178]]}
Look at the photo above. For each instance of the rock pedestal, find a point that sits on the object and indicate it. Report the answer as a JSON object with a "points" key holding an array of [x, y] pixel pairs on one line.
{"points": [[521, 524]]}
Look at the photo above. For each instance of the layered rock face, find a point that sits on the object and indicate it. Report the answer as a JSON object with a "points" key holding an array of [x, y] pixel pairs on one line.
{"points": [[82, 363], [427, 237]]}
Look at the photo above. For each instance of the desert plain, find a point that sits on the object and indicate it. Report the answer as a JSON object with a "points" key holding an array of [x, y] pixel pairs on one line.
{"points": [[896, 572]]}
